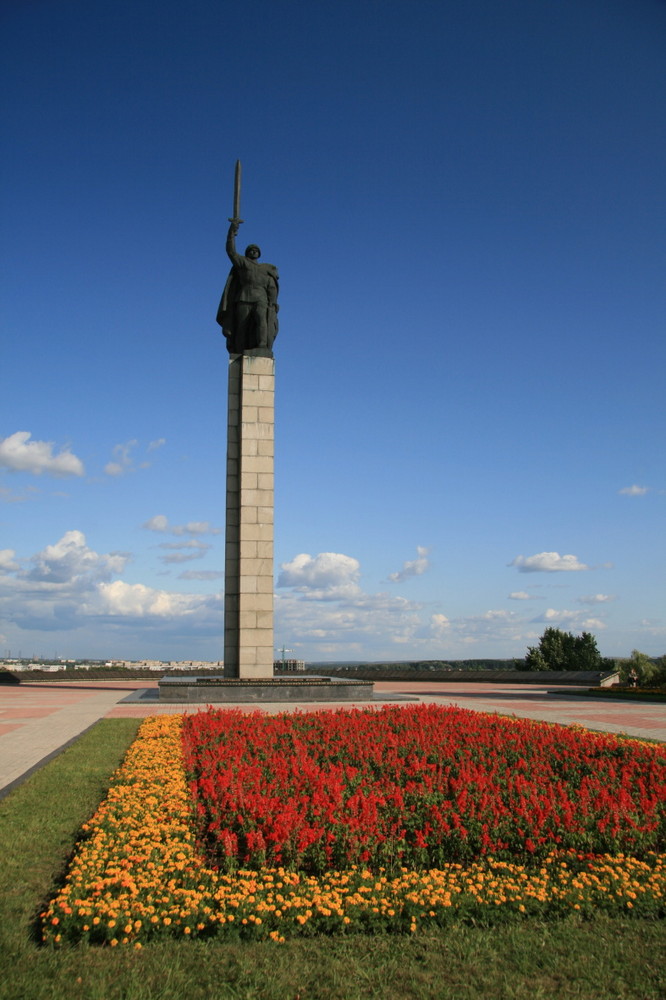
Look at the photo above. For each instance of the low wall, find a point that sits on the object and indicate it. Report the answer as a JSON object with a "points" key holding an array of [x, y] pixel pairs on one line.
{"points": [[584, 678], [209, 690]]}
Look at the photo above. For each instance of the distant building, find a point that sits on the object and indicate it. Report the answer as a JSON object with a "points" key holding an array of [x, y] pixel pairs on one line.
{"points": [[289, 666], [196, 664], [172, 664]]}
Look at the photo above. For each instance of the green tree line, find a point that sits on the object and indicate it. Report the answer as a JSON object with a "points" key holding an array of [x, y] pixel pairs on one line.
{"points": [[558, 650]]}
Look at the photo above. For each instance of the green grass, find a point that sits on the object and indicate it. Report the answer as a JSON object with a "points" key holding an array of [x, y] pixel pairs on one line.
{"points": [[595, 960]]}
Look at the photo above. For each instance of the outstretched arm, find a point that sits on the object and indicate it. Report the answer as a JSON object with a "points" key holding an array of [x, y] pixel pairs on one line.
{"points": [[231, 242]]}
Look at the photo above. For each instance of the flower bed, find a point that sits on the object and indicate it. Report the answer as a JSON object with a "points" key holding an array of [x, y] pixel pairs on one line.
{"points": [[417, 786], [138, 873]]}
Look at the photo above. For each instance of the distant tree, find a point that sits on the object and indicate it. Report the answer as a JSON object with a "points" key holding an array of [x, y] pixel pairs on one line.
{"points": [[585, 653], [639, 669], [659, 678], [535, 660], [558, 650]]}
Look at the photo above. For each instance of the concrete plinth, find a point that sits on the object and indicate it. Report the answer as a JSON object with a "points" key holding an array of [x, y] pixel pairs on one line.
{"points": [[248, 577], [210, 690]]}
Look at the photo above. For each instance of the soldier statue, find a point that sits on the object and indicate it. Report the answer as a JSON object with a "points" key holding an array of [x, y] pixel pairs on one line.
{"points": [[248, 309]]}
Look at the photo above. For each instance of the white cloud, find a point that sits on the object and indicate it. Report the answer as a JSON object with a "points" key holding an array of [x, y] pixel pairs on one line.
{"points": [[201, 574], [70, 558], [135, 600], [552, 614], [161, 523], [20, 454], [653, 627], [570, 619], [634, 491], [191, 543], [439, 625], [123, 459], [327, 609], [327, 576], [548, 562], [595, 599], [69, 587], [195, 528], [346, 624], [414, 567], [521, 595], [496, 626], [184, 551], [332, 620], [7, 563], [9, 496], [157, 523]]}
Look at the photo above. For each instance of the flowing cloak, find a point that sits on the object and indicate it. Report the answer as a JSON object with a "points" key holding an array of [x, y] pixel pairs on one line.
{"points": [[231, 295]]}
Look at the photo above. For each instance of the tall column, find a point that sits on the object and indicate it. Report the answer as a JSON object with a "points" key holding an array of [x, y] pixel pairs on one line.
{"points": [[248, 577]]}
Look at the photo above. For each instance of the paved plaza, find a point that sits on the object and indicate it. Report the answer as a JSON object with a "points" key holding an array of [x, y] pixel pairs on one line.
{"points": [[37, 720]]}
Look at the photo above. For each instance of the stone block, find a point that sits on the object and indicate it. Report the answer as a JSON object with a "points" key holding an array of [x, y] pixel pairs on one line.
{"points": [[257, 533], [257, 498], [247, 655], [260, 464], [263, 602], [258, 397], [251, 566], [248, 480]]}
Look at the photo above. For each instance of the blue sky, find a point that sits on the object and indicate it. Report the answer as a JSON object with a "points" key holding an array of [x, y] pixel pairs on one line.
{"points": [[466, 206]]}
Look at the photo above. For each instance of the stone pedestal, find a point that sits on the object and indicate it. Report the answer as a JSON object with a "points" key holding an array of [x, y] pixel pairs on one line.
{"points": [[248, 577], [226, 690]]}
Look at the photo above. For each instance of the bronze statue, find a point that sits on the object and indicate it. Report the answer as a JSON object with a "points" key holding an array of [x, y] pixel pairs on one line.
{"points": [[248, 309]]}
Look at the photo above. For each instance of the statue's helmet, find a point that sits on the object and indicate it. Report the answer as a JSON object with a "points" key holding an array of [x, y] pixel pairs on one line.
{"points": [[253, 246]]}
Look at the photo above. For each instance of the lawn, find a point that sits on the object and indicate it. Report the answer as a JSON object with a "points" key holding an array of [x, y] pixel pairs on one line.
{"points": [[594, 957]]}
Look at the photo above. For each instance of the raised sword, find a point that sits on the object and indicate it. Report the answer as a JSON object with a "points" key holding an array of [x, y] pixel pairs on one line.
{"points": [[237, 192]]}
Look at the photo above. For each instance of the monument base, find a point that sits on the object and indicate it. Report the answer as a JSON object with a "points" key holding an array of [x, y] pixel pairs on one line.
{"points": [[232, 690], [248, 570]]}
